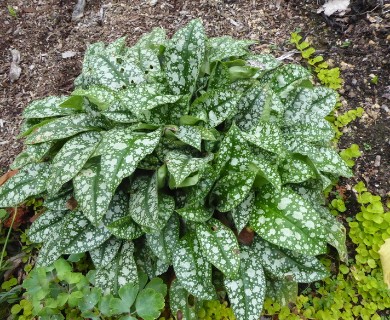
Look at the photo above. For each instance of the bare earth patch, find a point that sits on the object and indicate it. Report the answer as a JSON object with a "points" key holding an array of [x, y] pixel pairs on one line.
{"points": [[52, 47]]}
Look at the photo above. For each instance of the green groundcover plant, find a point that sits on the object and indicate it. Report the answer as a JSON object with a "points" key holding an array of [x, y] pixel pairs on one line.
{"points": [[188, 152]]}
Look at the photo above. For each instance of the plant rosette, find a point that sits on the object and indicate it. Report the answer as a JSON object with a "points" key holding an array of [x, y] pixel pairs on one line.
{"points": [[166, 151]]}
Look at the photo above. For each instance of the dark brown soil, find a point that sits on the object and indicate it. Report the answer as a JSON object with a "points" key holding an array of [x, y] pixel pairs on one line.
{"points": [[43, 30]]}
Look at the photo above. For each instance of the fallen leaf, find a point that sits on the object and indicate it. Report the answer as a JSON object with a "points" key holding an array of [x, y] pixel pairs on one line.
{"points": [[20, 218], [384, 252], [6, 176], [246, 236]]}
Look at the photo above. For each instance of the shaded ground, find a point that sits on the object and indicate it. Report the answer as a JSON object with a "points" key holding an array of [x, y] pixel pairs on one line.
{"points": [[357, 42]]}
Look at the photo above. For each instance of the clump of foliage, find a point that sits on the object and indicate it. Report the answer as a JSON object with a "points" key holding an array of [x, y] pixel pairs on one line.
{"points": [[54, 291], [188, 152], [358, 289], [329, 77]]}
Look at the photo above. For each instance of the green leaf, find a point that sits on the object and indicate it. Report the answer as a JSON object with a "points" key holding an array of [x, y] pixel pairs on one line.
{"points": [[127, 295], [282, 291], [192, 269], [196, 212], [158, 285], [105, 253], [287, 220], [64, 127], [45, 108], [147, 208], [264, 62], [179, 304], [242, 212], [288, 265], [214, 107], [181, 166], [42, 227], [224, 47], [265, 135], [163, 243], [78, 235], [123, 153], [100, 96], [145, 97], [219, 245], [184, 56], [149, 304], [90, 191], [29, 181], [71, 159], [118, 272], [246, 293], [232, 189], [32, 154]]}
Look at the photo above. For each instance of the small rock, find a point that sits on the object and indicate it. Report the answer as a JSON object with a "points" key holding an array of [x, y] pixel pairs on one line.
{"points": [[15, 70], [153, 2], [78, 11], [377, 162], [68, 54]]}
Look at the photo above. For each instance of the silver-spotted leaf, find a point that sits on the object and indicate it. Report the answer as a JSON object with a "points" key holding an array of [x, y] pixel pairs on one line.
{"points": [[105, 253], [284, 218], [288, 265], [232, 189], [119, 271], [179, 302], [247, 292], [221, 48], [64, 127], [180, 165], [220, 247], [192, 269], [242, 212], [71, 159], [184, 56], [214, 107], [42, 227], [29, 181], [45, 108]]}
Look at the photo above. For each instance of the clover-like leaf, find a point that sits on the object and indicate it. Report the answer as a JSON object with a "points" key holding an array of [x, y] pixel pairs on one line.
{"points": [[220, 247], [149, 304]]}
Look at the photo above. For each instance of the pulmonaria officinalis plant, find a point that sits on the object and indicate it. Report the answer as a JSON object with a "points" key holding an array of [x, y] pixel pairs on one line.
{"points": [[167, 152]]}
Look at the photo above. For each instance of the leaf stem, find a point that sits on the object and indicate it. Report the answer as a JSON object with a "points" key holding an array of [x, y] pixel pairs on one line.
{"points": [[6, 239]]}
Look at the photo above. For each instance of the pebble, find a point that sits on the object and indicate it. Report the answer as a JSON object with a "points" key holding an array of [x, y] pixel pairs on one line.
{"points": [[377, 162]]}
